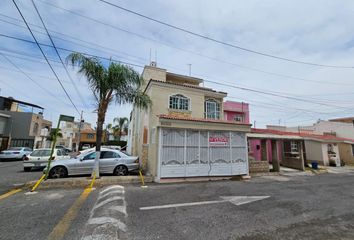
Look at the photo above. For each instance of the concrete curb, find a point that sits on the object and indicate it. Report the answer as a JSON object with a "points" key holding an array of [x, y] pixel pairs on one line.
{"points": [[81, 182], [261, 174]]}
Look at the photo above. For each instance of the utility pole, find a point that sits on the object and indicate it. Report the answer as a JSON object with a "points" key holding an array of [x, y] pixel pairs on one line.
{"points": [[79, 136]]}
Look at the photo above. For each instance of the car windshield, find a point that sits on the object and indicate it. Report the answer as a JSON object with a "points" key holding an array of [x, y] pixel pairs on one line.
{"points": [[15, 148], [40, 153]]}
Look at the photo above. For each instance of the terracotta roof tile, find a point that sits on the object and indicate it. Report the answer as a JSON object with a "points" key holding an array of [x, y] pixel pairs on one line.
{"points": [[301, 134], [165, 116]]}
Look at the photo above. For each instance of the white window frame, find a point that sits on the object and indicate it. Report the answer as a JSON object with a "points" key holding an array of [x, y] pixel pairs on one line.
{"points": [[238, 118], [216, 114], [294, 147], [180, 98]]}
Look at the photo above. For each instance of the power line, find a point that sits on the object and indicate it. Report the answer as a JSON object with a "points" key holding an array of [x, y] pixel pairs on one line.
{"points": [[57, 52], [224, 84], [186, 50], [40, 48], [29, 77], [218, 83], [273, 94], [71, 37], [69, 50], [219, 41], [136, 65]]}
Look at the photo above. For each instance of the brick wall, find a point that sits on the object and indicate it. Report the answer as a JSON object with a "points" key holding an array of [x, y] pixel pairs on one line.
{"points": [[296, 163], [258, 166]]}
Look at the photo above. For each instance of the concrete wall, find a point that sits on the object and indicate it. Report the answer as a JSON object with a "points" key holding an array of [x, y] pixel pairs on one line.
{"points": [[314, 151], [296, 163], [346, 153], [344, 130], [21, 124], [5, 125], [154, 73]]}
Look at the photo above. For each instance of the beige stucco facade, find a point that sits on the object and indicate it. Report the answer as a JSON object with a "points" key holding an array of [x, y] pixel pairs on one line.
{"points": [[318, 151], [346, 153], [147, 124]]}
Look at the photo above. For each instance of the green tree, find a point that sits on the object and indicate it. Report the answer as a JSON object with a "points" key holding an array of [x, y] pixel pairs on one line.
{"points": [[122, 126], [52, 133], [117, 82]]}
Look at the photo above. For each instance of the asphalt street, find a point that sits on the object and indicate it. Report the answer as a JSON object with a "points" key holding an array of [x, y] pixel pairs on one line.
{"points": [[12, 175], [302, 207], [292, 207]]}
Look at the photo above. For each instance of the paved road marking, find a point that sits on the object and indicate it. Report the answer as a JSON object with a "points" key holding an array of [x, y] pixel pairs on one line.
{"points": [[111, 192], [236, 200], [62, 227], [122, 209], [112, 187], [10, 193], [108, 216], [104, 220], [111, 199]]}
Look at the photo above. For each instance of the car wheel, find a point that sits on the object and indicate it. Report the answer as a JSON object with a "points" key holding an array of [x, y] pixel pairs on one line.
{"points": [[27, 169], [58, 172], [121, 170]]}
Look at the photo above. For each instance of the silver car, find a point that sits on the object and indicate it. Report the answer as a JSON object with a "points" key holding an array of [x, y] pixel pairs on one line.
{"points": [[111, 162], [15, 153]]}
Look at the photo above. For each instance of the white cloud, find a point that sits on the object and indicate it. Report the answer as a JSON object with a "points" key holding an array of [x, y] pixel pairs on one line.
{"points": [[314, 31]]}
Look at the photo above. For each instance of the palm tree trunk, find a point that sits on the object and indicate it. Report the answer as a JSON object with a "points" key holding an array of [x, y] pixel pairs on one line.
{"points": [[100, 121]]}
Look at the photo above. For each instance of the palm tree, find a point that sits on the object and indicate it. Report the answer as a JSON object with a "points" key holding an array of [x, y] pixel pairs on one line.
{"points": [[109, 128], [117, 82], [122, 125], [52, 133]]}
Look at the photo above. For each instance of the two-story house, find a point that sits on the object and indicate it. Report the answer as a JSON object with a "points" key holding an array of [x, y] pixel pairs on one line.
{"points": [[25, 125], [184, 133], [236, 111]]}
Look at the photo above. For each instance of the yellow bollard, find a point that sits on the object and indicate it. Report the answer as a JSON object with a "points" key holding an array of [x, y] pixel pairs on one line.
{"points": [[142, 179], [93, 180], [37, 183]]}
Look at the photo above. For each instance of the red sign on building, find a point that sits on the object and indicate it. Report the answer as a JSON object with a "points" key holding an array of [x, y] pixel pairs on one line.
{"points": [[218, 141]]}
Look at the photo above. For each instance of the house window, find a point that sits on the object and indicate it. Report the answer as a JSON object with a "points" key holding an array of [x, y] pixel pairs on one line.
{"points": [[294, 147], [330, 149], [248, 146], [90, 135], [212, 109], [238, 118], [179, 102]]}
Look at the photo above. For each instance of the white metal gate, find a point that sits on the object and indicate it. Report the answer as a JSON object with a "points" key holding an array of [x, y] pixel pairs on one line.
{"points": [[187, 153]]}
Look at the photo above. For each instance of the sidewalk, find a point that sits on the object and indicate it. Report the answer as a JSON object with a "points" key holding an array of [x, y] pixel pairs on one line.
{"points": [[79, 182], [340, 170], [285, 171]]}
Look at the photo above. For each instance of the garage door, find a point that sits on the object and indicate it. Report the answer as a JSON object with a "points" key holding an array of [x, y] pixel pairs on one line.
{"points": [[188, 153]]}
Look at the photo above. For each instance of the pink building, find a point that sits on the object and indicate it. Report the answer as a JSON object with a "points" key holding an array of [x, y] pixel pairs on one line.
{"points": [[236, 111]]}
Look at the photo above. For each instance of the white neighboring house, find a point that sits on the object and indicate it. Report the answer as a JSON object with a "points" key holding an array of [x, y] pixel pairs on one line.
{"points": [[70, 133]]}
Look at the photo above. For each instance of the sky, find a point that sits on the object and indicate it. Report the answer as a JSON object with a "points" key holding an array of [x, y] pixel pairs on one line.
{"points": [[282, 92]]}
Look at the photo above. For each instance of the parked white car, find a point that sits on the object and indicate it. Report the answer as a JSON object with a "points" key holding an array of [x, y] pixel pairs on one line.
{"points": [[15, 153], [111, 162], [39, 158]]}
